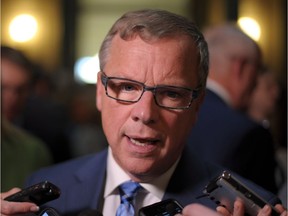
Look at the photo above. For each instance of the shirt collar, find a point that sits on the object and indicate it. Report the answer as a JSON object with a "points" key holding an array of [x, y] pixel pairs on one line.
{"points": [[219, 90], [116, 176]]}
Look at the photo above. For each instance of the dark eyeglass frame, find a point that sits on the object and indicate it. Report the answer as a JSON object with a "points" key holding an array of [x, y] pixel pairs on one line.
{"points": [[194, 95]]}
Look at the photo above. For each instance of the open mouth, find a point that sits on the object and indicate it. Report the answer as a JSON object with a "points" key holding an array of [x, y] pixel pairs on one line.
{"points": [[143, 142]]}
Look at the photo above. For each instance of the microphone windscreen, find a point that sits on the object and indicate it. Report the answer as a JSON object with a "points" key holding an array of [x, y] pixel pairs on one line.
{"points": [[91, 212]]}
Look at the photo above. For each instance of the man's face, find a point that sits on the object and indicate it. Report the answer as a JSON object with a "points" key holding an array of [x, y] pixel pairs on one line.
{"points": [[266, 94], [247, 83], [14, 88], [146, 139]]}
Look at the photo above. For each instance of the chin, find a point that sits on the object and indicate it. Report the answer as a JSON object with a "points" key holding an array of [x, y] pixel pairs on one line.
{"points": [[140, 169]]}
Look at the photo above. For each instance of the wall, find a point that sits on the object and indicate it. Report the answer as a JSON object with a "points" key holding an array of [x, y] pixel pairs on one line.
{"points": [[45, 48]]}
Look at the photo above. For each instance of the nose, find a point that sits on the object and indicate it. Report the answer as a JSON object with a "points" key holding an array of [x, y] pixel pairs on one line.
{"points": [[146, 110]]}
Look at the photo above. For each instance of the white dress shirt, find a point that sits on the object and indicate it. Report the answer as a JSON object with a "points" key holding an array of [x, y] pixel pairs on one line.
{"points": [[152, 192], [219, 90]]}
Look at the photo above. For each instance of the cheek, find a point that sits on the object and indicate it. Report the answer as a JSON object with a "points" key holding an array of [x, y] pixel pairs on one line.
{"points": [[110, 125], [110, 119], [113, 119]]}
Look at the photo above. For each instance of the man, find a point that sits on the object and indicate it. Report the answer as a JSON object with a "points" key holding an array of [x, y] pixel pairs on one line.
{"points": [[21, 152], [16, 82], [153, 71], [42, 117], [223, 133], [264, 98]]}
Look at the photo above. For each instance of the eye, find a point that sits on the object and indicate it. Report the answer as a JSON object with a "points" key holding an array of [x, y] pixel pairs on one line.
{"points": [[124, 86], [127, 87], [172, 93]]}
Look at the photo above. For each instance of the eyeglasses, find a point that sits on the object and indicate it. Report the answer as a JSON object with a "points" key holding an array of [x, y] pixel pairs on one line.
{"points": [[131, 91]]}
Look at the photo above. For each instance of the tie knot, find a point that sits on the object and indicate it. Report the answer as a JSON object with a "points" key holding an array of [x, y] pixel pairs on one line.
{"points": [[128, 190]]}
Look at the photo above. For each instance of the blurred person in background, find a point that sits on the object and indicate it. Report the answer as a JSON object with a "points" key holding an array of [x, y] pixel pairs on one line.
{"points": [[224, 133], [21, 154], [262, 107], [40, 116], [264, 98]]}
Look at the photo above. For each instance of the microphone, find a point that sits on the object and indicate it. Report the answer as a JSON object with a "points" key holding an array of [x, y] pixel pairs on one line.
{"points": [[91, 212]]}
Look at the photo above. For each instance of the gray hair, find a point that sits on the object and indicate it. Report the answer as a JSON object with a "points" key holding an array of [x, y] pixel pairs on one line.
{"points": [[157, 24], [226, 41]]}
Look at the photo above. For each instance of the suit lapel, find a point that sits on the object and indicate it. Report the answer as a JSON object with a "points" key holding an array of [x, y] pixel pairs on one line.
{"points": [[189, 178], [90, 181]]}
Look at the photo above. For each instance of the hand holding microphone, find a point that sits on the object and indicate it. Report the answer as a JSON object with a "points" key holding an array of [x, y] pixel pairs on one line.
{"points": [[41, 193]]}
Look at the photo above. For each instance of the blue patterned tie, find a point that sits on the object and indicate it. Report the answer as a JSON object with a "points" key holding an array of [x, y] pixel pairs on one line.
{"points": [[128, 192]]}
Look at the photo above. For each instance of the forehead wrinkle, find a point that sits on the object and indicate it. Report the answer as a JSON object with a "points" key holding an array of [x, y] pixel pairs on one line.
{"points": [[152, 66], [176, 62]]}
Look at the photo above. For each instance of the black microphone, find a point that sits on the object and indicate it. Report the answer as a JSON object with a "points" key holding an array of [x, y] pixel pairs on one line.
{"points": [[91, 212]]}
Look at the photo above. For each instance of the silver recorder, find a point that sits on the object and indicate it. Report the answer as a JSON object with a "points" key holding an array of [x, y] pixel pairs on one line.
{"points": [[226, 189]]}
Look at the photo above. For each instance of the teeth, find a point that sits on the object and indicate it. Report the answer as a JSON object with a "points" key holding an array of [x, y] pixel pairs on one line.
{"points": [[144, 143]]}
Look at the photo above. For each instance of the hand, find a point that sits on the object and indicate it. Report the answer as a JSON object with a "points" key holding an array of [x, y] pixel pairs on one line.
{"points": [[281, 209], [13, 208], [197, 210], [200, 210], [239, 210]]}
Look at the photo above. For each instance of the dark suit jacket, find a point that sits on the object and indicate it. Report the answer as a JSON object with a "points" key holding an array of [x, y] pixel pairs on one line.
{"points": [[82, 182], [233, 140]]}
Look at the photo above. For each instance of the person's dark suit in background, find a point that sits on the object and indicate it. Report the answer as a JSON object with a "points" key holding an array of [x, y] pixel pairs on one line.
{"points": [[223, 133], [263, 106]]}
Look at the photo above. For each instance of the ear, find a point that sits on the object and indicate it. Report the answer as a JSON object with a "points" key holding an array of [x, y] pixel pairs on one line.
{"points": [[239, 68], [99, 90]]}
